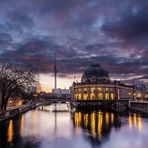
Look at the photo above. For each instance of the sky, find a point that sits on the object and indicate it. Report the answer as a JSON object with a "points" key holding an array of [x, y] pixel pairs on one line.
{"points": [[113, 33]]}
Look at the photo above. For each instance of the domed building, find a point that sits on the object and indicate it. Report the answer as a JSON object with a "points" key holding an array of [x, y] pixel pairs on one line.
{"points": [[96, 84], [95, 74]]}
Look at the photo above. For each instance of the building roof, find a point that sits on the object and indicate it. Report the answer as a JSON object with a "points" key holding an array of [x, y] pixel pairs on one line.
{"points": [[95, 74]]}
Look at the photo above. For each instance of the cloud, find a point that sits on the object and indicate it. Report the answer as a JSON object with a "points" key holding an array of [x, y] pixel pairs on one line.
{"points": [[113, 33], [130, 28], [6, 41]]}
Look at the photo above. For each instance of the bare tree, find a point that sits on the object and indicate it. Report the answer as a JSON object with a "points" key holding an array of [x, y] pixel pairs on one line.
{"points": [[14, 80]]}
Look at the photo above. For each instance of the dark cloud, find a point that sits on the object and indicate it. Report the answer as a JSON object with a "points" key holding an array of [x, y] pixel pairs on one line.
{"points": [[130, 28], [113, 33], [6, 41], [20, 18]]}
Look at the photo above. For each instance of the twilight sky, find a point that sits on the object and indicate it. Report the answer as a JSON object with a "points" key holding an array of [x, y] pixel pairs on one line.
{"points": [[113, 33]]}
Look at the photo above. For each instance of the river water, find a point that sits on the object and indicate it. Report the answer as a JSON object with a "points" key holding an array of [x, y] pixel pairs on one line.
{"points": [[45, 128]]}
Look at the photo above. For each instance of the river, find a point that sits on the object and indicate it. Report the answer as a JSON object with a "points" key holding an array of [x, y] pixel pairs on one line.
{"points": [[45, 128]]}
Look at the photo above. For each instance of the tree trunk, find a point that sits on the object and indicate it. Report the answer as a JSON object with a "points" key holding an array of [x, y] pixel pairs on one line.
{"points": [[3, 100], [5, 103], [2, 104]]}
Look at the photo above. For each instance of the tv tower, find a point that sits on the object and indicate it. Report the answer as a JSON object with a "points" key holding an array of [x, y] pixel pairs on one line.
{"points": [[55, 73]]}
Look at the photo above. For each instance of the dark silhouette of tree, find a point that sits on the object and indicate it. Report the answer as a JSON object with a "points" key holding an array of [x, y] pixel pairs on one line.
{"points": [[14, 80]]}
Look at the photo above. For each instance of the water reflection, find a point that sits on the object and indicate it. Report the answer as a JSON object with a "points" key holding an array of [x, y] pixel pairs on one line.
{"points": [[97, 125], [10, 131], [43, 129], [22, 130], [135, 121]]}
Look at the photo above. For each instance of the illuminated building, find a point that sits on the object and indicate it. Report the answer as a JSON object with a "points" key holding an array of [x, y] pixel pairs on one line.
{"points": [[96, 84]]}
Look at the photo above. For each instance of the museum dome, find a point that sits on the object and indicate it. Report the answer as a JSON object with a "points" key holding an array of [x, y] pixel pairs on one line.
{"points": [[95, 74]]}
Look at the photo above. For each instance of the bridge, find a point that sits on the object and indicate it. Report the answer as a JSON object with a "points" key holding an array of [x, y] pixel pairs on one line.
{"points": [[116, 105]]}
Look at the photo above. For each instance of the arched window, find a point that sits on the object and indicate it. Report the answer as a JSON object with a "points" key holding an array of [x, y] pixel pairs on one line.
{"points": [[79, 96], [107, 89], [112, 96], [107, 96], [92, 96], [99, 89], [85, 94], [100, 96]]}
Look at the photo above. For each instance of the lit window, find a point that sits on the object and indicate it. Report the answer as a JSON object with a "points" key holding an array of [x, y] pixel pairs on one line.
{"points": [[112, 96], [107, 96], [85, 96], [107, 89], [139, 95], [92, 90], [85, 90], [100, 96], [79, 96], [92, 96], [99, 89]]}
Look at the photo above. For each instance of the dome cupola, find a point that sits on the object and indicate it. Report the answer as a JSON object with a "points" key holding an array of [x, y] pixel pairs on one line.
{"points": [[95, 74]]}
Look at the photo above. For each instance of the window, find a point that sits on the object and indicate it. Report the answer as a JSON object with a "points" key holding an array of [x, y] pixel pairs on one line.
{"points": [[79, 96], [92, 90], [99, 89], [107, 89], [92, 96], [85, 90], [107, 96], [85, 96], [76, 96], [112, 96], [100, 96]]}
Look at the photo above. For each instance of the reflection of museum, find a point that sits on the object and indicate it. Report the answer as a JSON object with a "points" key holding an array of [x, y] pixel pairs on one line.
{"points": [[96, 85], [97, 126]]}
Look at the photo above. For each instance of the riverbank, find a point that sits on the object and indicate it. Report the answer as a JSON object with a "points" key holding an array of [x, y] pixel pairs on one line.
{"points": [[12, 112]]}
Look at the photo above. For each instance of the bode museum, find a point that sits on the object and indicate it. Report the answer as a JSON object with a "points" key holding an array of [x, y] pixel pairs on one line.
{"points": [[96, 84]]}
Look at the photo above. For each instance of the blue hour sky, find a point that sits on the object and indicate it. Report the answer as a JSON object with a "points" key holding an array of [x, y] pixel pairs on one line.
{"points": [[113, 33]]}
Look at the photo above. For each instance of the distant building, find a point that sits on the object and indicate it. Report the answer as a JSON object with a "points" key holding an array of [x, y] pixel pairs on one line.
{"points": [[61, 92], [96, 85]]}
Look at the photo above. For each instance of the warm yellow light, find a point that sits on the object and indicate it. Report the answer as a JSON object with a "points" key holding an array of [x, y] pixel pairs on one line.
{"points": [[100, 123], [10, 131], [112, 118], [139, 95], [93, 131], [107, 89], [76, 119], [79, 97], [86, 120], [99, 89], [130, 121], [92, 90], [100, 96], [107, 119], [92, 96], [107, 96], [112, 96], [135, 120], [139, 123], [22, 131], [79, 90], [85, 96]]}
